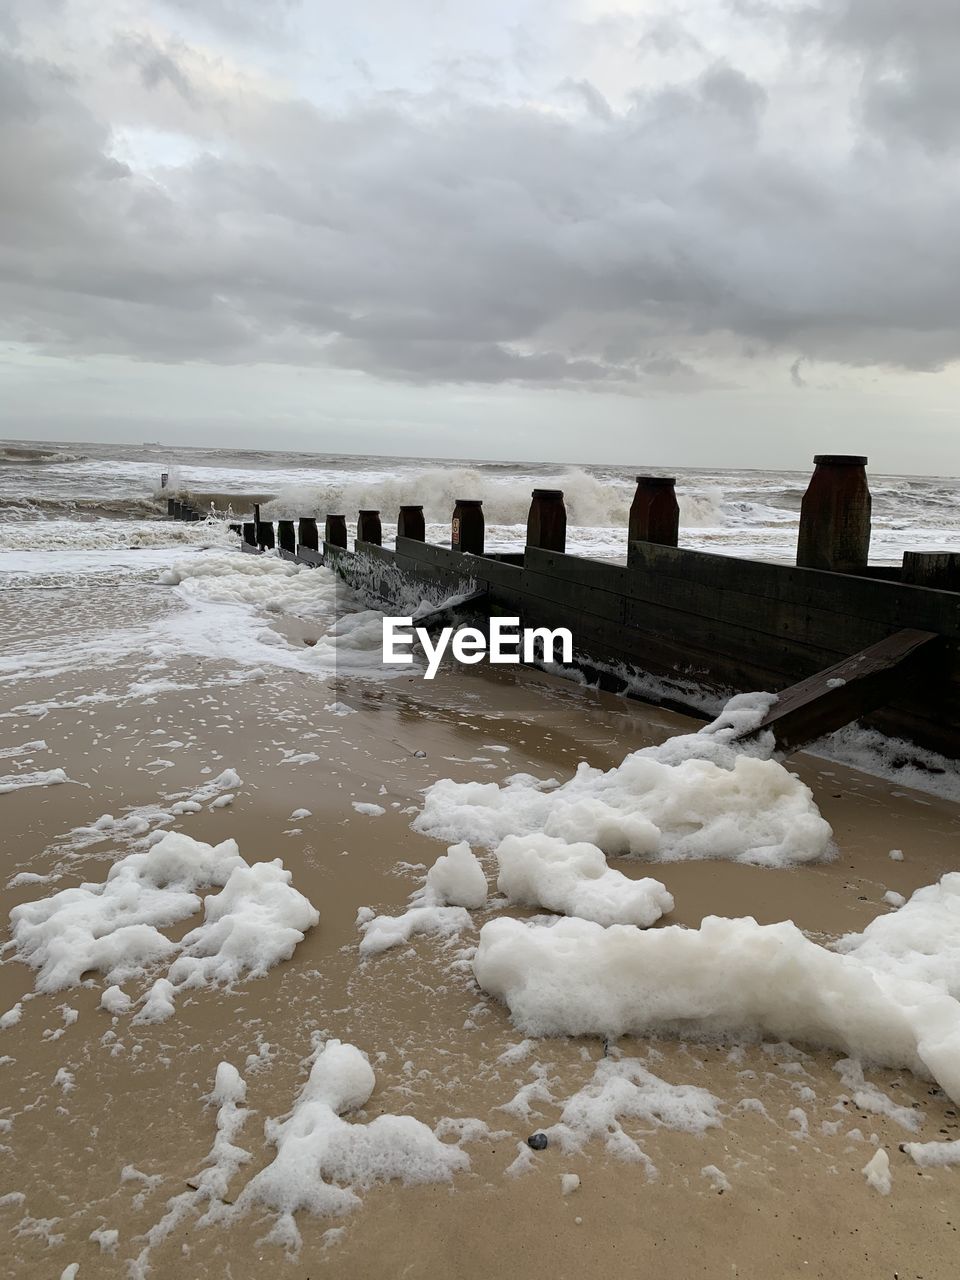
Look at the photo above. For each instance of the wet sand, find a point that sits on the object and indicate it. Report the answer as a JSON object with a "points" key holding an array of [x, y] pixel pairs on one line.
{"points": [[798, 1204]]}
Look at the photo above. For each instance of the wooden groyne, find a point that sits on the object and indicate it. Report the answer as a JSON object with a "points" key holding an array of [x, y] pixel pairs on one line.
{"points": [[836, 638]]}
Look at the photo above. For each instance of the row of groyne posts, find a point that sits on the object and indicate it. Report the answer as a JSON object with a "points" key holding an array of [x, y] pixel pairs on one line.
{"points": [[834, 531]]}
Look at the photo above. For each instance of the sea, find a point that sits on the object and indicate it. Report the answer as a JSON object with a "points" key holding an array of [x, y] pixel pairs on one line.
{"points": [[91, 502]]}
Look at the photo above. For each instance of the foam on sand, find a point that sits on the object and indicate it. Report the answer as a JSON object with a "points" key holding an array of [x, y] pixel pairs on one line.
{"points": [[541, 870], [698, 795], [921, 940], [622, 1089], [114, 927], [220, 1166], [38, 778], [454, 882], [456, 879], [933, 1155], [317, 1150], [727, 978], [380, 933], [877, 1173]]}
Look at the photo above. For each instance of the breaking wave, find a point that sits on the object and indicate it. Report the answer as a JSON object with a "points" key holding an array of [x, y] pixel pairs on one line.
{"points": [[27, 455], [590, 501], [63, 508], [110, 535]]}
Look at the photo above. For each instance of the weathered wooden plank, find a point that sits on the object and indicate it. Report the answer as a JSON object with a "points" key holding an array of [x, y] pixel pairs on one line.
{"points": [[608, 644], [848, 690], [896, 604], [667, 572], [372, 549], [688, 629], [661, 572], [806, 624], [307, 555], [497, 573], [576, 597], [803, 624], [427, 552]]}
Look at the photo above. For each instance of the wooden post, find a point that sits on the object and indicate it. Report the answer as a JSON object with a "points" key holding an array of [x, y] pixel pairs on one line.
{"points": [[335, 531], [937, 569], [307, 533], [368, 527], [835, 515], [171, 508], [467, 526], [286, 538], [654, 513], [250, 533], [547, 521], [265, 538], [411, 524]]}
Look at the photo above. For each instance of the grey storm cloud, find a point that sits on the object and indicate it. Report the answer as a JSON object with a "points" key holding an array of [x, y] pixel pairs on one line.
{"points": [[436, 237], [908, 55]]}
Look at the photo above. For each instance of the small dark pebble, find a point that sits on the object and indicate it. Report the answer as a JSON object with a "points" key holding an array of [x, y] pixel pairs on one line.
{"points": [[537, 1141]]}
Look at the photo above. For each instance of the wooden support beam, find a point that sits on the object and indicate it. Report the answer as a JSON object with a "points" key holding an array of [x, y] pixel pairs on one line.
{"points": [[849, 689]]}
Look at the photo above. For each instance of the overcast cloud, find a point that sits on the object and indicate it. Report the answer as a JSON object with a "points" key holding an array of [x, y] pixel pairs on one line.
{"points": [[716, 214]]}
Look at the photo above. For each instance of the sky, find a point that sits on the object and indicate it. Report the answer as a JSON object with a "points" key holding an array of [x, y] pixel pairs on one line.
{"points": [[712, 233]]}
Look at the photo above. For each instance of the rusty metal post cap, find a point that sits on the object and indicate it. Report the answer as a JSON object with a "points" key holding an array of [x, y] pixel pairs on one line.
{"points": [[547, 493], [468, 502], [657, 480], [840, 459]]}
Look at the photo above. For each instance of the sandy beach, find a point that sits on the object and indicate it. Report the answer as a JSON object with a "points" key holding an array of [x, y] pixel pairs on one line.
{"points": [[772, 1186]]}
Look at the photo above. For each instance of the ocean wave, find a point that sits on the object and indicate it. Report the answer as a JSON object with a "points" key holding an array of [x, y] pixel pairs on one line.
{"points": [[53, 507], [590, 502], [77, 536], [28, 455]]}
